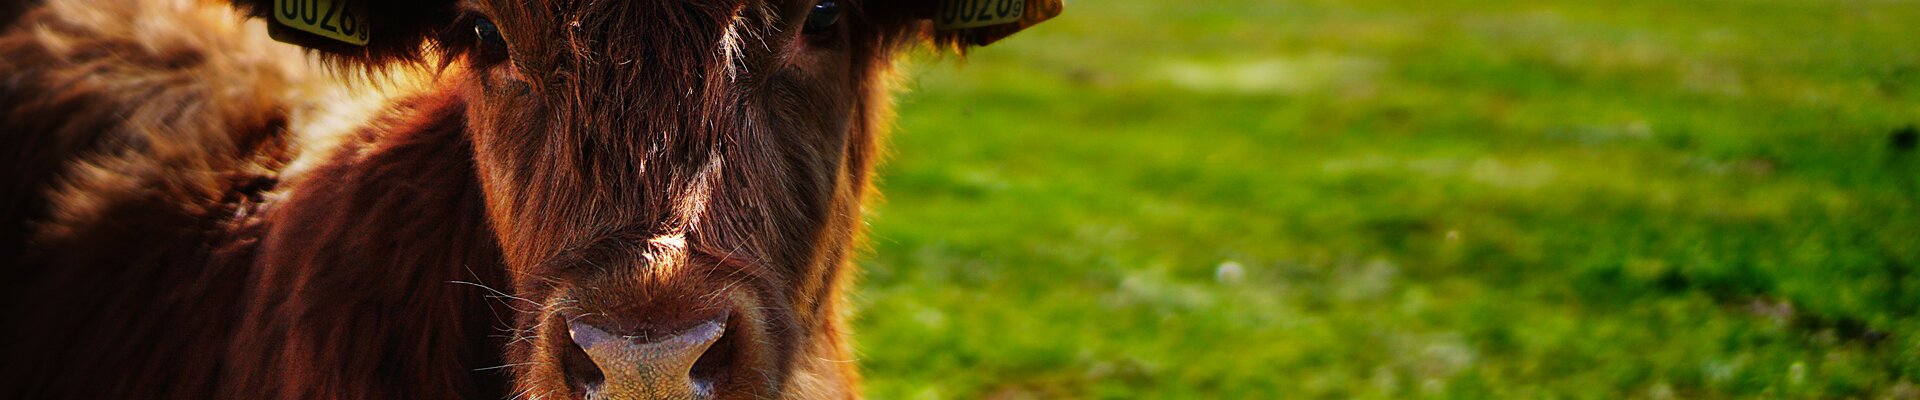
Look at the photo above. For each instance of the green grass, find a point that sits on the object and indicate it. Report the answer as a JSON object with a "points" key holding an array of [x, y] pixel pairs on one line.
{"points": [[1407, 198]]}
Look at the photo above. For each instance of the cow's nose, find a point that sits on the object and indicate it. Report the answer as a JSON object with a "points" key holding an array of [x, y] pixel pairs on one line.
{"points": [[645, 366]]}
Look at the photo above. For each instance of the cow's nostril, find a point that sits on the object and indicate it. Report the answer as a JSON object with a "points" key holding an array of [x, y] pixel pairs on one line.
{"points": [[712, 366], [648, 366], [579, 368]]}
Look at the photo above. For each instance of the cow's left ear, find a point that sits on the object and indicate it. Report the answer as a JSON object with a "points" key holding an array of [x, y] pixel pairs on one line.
{"points": [[972, 23], [366, 32]]}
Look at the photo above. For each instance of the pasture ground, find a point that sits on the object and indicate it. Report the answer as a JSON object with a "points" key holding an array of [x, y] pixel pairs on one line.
{"points": [[1408, 198]]}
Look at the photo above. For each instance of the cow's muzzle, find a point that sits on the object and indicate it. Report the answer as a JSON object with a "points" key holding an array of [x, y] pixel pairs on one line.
{"points": [[676, 360]]}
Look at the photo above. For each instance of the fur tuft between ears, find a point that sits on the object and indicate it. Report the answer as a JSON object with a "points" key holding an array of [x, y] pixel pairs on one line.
{"points": [[403, 31]]}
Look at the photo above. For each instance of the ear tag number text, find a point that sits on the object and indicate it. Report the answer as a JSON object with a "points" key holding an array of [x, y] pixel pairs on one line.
{"points": [[963, 14], [342, 20]]}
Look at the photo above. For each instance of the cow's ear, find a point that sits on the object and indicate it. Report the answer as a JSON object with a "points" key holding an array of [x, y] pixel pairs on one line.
{"points": [[366, 32], [960, 24]]}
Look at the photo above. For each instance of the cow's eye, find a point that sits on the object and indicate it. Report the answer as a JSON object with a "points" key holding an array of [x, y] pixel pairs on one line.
{"points": [[490, 46], [824, 16]]}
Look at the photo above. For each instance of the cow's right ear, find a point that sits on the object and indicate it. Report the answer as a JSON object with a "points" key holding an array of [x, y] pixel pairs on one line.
{"points": [[963, 24], [364, 32]]}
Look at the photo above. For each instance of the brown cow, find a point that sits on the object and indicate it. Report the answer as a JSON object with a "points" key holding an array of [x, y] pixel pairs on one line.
{"points": [[461, 199]]}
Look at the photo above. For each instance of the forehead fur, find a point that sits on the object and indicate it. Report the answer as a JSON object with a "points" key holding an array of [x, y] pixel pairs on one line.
{"points": [[607, 43], [600, 24]]}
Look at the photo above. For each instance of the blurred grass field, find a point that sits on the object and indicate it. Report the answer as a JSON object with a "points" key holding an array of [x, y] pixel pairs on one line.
{"points": [[1398, 198]]}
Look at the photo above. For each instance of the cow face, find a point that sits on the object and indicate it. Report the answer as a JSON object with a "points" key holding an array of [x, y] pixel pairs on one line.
{"points": [[675, 183]]}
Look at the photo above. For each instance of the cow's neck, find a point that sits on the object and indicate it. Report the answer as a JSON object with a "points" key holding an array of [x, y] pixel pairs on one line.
{"points": [[373, 276]]}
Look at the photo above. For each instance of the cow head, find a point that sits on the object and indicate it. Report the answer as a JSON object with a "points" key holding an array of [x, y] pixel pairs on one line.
{"points": [[675, 183]]}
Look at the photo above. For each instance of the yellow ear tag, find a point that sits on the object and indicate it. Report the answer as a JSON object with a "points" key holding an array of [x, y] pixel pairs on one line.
{"points": [[982, 22], [963, 14], [345, 21]]}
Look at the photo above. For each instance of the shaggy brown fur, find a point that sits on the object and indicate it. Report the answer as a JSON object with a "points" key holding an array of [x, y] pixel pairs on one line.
{"points": [[193, 212]]}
